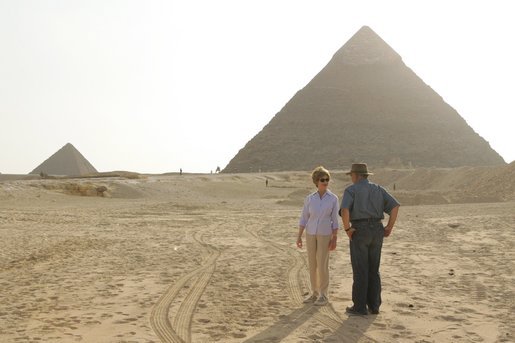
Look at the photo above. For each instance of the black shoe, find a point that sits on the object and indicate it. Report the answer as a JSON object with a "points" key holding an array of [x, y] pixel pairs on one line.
{"points": [[353, 312], [373, 311]]}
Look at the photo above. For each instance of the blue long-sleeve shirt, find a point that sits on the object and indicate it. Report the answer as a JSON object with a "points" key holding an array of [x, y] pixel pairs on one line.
{"points": [[320, 215]]}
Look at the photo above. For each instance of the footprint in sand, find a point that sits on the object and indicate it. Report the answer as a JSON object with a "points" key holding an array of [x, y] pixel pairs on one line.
{"points": [[450, 318], [398, 327]]}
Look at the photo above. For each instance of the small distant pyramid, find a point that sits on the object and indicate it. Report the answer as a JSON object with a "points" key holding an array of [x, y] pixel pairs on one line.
{"points": [[67, 161], [364, 105]]}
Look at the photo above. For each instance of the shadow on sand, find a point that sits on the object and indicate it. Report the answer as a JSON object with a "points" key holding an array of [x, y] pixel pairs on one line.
{"points": [[286, 325], [351, 329]]}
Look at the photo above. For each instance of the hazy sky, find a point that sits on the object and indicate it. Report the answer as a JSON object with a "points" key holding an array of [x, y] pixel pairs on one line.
{"points": [[153, 86]]}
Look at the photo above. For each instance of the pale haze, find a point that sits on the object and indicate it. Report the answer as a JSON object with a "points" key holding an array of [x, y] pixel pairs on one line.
{"points": [[154, 86]]}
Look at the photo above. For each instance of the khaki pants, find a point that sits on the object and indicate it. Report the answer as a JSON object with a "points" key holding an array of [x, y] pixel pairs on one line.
{"points": [[318, 260]]}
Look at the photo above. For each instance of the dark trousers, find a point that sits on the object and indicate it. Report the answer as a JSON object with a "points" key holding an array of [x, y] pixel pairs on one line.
{"points": [[365, 254]]}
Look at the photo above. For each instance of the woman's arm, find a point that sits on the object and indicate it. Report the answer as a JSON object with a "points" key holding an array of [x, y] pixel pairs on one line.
{"points": [[304, 217], [334, 217]]}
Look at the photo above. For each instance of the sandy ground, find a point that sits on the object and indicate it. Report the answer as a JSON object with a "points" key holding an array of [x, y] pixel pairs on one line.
{"points": [[211, 258]]}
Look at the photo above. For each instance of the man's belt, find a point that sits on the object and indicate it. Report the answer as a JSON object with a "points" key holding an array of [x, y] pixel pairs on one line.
{"points": [[366, 220]]}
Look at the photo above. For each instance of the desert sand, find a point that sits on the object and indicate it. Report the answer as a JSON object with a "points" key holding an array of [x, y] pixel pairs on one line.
{"points": [[212, 258]]}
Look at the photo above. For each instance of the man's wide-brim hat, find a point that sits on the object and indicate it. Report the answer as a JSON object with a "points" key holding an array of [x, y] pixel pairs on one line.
{"points": [[359, 168]]}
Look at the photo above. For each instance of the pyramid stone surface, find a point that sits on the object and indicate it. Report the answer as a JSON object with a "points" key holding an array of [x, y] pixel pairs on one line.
{"points": [[365, 105], [67, 161]]}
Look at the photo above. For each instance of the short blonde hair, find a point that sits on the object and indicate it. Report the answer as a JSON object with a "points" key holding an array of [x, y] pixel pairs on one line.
{"points": [[318, 173]]}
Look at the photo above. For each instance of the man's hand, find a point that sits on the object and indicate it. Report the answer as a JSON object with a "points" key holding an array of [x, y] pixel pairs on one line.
{"points": [[299, 242], [391, 221], [388, 230], [349, 232]]}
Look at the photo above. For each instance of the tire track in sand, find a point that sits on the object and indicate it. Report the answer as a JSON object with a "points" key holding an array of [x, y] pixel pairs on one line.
{"points": [[184, 316], [159, 317], [327, 315], [296, 274], [294, 285]]}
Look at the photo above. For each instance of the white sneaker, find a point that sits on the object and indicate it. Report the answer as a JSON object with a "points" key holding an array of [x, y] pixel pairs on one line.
{"points": [[311, 299], [321, 301]]}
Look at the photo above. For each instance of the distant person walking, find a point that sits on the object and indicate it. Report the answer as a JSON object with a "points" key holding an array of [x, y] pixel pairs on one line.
{"points": [[320, 220], [363, 205], [180, 171], [266, 182]]}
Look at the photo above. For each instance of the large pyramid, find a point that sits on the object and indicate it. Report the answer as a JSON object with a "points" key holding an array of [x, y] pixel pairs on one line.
{"points": [[67, 161], [365, 105]]}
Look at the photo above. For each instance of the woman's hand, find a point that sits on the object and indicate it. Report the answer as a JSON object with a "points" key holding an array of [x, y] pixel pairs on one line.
{"points": [[299, 242], [332, 242]]}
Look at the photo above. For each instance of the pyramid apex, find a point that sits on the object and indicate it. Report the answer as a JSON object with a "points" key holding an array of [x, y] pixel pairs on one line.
{"points": [[366, 28], [70, 148], [366, 47]]}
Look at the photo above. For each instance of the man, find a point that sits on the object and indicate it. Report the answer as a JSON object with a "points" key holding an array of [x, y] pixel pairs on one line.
{"points": [[364, 204]]}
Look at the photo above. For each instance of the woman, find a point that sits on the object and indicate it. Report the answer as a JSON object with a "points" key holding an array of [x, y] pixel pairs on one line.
{"points": [[320, 220]]}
